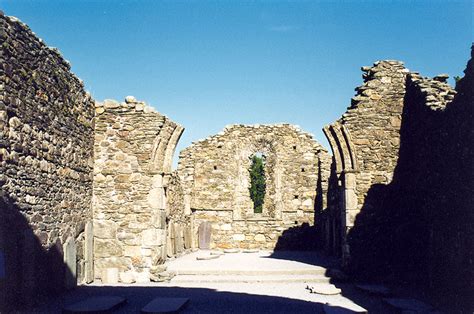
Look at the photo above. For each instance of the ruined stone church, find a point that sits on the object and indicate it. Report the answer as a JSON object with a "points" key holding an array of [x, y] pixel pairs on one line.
{"points": [[88, 191]]}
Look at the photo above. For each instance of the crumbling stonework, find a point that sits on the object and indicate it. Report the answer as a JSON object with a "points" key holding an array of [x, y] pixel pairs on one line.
{"points": [[365, 143], [46, 158], [400, 205], [215, 179], [133, 153]]}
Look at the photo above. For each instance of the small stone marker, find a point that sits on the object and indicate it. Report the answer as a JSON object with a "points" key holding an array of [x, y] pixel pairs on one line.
{"points": [[409, 305], [103, 304], [231, 250], [205, 235], [165, 305], [375, 289]]}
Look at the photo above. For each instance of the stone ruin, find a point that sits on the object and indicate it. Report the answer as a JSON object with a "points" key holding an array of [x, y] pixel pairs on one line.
{"points": [[88, 192], [215, 177]]}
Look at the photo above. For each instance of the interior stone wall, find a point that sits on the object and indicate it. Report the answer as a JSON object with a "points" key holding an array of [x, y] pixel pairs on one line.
{"points": [[133, 154], [46, 150], [215, 176]]}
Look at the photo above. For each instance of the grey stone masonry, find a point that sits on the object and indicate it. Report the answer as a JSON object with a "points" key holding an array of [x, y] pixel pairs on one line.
{"points": [[133, 153], [215, 176], [46, 160]]}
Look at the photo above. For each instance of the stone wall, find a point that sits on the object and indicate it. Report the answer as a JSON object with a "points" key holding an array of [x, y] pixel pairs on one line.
{"points": [[365, 144], [133, 154], [404, 185], [215, 178], [46, 147]]}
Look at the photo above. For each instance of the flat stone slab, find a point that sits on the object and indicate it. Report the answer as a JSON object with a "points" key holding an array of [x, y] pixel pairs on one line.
{"points": [[250, 251], [231, 250], [375, 289], [103, 304], [219, 253], [324, 289], [207, 257], [337, 309], [165, 305], [409, 305]]}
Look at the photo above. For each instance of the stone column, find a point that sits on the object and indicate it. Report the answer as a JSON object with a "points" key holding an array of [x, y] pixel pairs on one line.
{"points": [[349, 210]]}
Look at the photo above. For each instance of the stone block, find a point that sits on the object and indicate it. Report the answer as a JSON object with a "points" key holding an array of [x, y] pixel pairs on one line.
{"points": [[142, 277], [153, 237], [226, 227], [69, 249], [259, 238], [132, 251], [105, 229], [107, 248], [238, 237], [205, 235], [127, 277], [156, 198], [110, 276]]}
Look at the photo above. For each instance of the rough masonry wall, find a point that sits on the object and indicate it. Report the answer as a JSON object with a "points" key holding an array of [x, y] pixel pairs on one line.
{"points": [[133, 153], [215, 177], [46, 147], [413, 214], [365, 143]]}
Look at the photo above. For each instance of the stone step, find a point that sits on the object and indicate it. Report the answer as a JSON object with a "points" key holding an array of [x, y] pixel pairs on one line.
{"points": [[313, 271], [250, 278], [98, 304], [165, 305]]}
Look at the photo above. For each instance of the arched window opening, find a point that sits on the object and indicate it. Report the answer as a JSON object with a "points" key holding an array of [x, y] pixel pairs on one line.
{"points": [[257, 182]]}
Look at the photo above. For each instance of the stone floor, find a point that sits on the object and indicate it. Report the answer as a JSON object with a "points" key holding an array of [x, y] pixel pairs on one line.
{"points": [[262, 282]]}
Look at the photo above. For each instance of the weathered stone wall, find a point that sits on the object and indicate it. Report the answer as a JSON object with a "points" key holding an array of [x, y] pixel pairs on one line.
{"points": [[365, 143], [215, 177], [46, 147], [411, 220], [133, 154]]}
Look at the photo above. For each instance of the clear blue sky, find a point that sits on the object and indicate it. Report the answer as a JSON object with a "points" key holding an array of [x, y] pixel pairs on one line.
{"points": [[206, 64]]}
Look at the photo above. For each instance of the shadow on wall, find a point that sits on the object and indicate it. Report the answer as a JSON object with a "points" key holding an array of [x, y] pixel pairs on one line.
{"points": [[298, 238], [28, 272], [418, 230]]}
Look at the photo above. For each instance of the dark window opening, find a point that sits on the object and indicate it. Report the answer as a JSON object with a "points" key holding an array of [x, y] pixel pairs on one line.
{"points": [[257, 182], [215, 167], [296, 197], [302, 169], [294, 147]]}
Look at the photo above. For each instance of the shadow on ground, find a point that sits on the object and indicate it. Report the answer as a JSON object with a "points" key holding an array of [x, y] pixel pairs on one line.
{"points": [[202, 300]]}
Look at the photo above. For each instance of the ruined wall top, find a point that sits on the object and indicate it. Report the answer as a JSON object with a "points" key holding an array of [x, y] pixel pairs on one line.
{"points": [[214, 171]]}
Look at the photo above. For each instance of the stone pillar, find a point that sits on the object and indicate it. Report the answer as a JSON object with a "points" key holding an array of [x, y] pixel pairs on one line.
{"points": [[349, 210], [69, 255], [89, 253]]}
